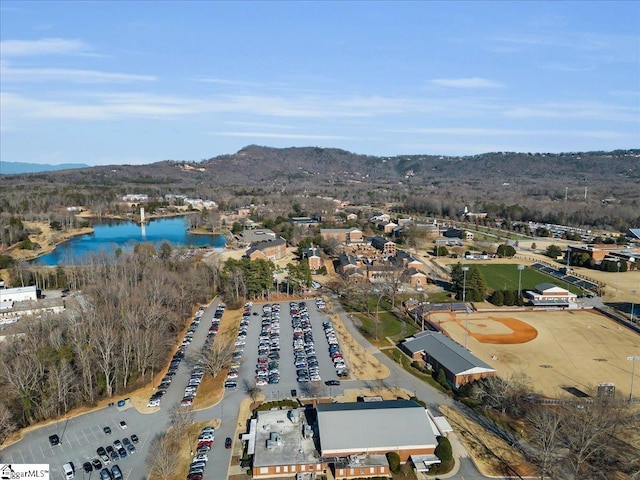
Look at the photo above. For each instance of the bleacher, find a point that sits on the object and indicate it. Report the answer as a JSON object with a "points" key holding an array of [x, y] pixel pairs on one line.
{"points": [[568, 278]]}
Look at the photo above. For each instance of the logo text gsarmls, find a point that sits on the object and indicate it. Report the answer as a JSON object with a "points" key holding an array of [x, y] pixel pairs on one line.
{"points": [[30, 474]]}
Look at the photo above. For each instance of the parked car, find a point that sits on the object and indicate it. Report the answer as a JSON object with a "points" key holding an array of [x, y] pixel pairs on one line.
{"points": [[116, 473], [87, 467], [54, 440], [102, 453], [134, 438], [105, 474], [69, 470], [228, 442], [123, 425], [107, 430], [96, 464]]}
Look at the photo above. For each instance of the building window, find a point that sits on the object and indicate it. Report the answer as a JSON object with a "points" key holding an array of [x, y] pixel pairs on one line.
{"points": [[372, 470], [264, 469], [285, 469], [277, 469]]}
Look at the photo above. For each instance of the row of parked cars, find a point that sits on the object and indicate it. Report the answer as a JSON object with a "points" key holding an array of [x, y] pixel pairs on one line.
{"points": [[200, 459], [197, 372], [304, 350], [238, 352], [267, 367], [334, 350], [156, 397]]}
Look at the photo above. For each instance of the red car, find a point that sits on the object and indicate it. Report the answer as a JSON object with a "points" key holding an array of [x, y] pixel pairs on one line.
{"points": [[228, 442], [204, 443]]}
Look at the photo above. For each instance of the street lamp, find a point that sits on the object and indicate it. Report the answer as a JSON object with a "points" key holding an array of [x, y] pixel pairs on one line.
{"points": [[617, 278], [633, 302], [634, 359], [520, 268], [464, 283]]}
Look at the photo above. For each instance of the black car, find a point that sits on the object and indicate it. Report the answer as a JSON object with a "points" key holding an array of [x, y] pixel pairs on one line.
{"points": [[332, 382], [228, 442], [112, 453], [134, 438], [87, 467], [107, 430], [294, 392], [96, 463], [102, 453], [54, 440]]}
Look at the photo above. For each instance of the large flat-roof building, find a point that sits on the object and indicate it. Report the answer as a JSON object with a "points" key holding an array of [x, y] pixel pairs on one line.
{"points": [[438, 350], [358, 428], [20, 294], [349, 439]]}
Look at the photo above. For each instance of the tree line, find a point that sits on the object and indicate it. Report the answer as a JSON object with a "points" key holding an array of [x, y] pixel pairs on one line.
{"points": [[114, 335]]}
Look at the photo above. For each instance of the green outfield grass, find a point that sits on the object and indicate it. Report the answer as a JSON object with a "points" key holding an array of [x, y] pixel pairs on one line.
{"points": [[505, 277]]}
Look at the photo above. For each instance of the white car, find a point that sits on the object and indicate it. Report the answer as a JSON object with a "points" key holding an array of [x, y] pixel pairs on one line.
{"points": [[206, 437], [154, 403], [201, 457], [123, 425]]}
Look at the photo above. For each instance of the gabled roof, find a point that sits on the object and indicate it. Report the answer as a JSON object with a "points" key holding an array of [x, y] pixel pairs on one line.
{"points": [[634, 233], [448, 353], [543, 287]]}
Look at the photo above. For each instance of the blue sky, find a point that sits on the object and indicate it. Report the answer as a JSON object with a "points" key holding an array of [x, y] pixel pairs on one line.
{"points": [[113, 82]]}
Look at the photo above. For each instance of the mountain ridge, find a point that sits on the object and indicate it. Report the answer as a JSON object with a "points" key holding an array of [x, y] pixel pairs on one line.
{"points": [[10, 168]]}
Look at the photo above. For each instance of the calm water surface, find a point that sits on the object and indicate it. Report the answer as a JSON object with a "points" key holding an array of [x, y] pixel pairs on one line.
{"points": [[110, 236]]}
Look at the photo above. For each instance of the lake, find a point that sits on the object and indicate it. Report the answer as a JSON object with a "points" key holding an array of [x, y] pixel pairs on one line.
{"points": [[111, 235]]}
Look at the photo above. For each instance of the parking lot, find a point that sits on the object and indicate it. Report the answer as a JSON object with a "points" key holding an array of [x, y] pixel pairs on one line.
{"points": [[80, 437], [273, 328]]}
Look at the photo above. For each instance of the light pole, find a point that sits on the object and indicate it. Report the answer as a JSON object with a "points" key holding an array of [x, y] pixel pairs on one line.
{"points": [[520, 268], [464, 297], [464, 283], [617, 278], [633, 302], [634, 359]]}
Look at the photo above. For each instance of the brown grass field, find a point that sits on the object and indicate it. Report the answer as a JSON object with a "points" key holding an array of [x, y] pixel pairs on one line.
{"points": [[558, 350]]}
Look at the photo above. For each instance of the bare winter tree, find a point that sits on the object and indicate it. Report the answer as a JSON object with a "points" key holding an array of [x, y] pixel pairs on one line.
{"points": [[180, 417], [215, 359], [545, 424], [163, 459], [503, 393], [7, 425], [588, 432]]}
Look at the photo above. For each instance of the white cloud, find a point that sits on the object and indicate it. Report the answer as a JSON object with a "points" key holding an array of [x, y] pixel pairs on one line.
{"points": [[293, 136], [576, 110], [70, 75], [45, 46], [507, 132], [472, 82]]}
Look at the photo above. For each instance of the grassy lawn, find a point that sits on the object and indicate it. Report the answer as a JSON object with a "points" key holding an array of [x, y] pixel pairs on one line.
{"points": [[396, 355], [505, 276]]}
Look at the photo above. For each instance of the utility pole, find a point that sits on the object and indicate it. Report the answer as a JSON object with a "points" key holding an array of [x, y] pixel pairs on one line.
{"points": [[633, 359]]}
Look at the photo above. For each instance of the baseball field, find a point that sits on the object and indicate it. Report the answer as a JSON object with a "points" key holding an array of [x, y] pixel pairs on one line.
{"points": [[563, 352]]}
